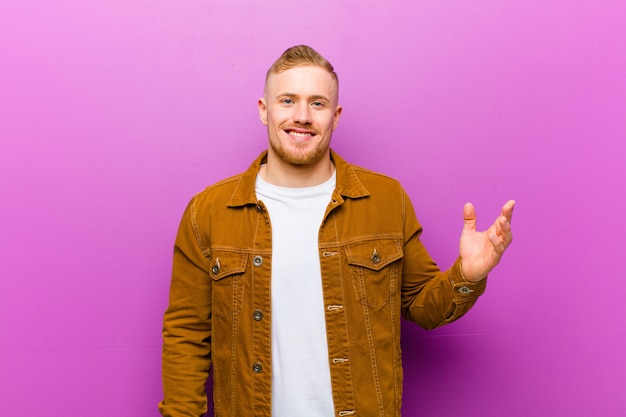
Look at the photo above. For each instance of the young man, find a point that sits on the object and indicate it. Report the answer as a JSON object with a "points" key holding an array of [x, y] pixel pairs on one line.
{"points": [[290, 278]]}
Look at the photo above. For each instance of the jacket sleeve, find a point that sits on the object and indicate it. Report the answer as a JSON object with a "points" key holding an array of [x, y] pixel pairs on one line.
{"points": [[431, 297], [186, 356]]}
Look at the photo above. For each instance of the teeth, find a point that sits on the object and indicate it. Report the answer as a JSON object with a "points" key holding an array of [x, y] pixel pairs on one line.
{"points": [[302, 135]]}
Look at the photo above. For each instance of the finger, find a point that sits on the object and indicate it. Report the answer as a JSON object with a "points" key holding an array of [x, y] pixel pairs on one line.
{"points": [[507, 235], [469, 217], [498, 244], [507, 210], [503, 232], [504, 224], [497, 225]]}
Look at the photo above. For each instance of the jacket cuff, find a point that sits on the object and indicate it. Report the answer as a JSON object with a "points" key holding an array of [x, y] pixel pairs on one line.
{"points": [[464, 290]]}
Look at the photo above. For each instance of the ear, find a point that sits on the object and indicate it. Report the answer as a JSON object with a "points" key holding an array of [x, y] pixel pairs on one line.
{"points": [[338, 111], [262, 105]]}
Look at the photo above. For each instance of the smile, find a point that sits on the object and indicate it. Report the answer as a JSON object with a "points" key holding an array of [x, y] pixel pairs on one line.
{"points": [[300, 133]]}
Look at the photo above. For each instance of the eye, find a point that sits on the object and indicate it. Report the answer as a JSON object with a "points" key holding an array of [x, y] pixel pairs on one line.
{"points": [[287, 101], [317, 104]]}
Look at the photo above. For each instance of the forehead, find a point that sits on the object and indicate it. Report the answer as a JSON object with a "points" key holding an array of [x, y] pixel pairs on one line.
{"points": [[302, 80]]}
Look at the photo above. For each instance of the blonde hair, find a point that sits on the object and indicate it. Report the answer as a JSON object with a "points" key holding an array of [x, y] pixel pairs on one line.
{"points": [[298, 56]]}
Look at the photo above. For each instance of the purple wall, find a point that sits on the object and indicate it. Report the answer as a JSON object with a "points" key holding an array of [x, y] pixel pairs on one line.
{"points": [[113, 113]]}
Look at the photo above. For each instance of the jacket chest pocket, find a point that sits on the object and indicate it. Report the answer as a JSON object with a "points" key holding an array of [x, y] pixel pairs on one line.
{"points": [[227, 273], [375, 268]]}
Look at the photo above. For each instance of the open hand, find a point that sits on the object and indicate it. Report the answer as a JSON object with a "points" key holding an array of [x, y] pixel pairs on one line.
{"points": [[481, 251]]}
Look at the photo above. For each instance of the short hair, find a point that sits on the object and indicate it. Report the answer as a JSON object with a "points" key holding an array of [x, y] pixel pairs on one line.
{"points": [[301, 55]]}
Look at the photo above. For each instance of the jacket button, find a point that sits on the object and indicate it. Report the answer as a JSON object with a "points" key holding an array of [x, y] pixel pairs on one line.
{"points": [[257, 368], [257, 261], [465, 290], [258, 315], [375, 257], [215, 269]]}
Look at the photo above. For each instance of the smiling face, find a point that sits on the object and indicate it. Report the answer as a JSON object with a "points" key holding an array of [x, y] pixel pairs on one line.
{"points": [[300, 111]]}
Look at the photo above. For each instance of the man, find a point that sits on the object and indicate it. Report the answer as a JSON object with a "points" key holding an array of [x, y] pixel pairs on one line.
{"points": [[290, 278]]}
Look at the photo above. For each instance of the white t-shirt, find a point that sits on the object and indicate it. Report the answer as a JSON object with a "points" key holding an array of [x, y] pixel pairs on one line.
{"points": [[300, 367]]}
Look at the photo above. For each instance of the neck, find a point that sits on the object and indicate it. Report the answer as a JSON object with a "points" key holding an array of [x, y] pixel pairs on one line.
{"points": [[283, 174]]}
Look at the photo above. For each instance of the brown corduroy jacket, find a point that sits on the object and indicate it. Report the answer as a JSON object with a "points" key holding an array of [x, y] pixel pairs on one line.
{"points": [[374, 269]]}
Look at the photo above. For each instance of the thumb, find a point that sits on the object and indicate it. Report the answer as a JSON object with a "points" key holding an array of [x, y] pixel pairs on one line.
{"points": [[469, 217]]}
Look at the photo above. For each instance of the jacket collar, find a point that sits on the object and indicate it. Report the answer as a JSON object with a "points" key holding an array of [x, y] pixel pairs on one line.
{"points": [[348, 183]]}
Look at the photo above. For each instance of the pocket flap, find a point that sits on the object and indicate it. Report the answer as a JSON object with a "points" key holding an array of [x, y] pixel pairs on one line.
{"points": [[374, 254], [225, 263]]}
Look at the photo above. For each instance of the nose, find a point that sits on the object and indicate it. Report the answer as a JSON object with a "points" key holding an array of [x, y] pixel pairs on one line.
{"points": [[302, 113]]}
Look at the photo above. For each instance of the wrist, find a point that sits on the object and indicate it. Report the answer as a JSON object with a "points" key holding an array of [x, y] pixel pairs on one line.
{"points": [[461, 271], [465, 278]]}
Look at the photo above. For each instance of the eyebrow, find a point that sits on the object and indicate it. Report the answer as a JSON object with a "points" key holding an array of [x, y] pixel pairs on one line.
{"points": [[314, 96]]}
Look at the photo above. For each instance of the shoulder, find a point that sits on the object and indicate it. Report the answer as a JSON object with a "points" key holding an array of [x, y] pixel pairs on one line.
{"points": [[237, 190], [376, 183], [374, 176], [221, 191], [356, 177]]}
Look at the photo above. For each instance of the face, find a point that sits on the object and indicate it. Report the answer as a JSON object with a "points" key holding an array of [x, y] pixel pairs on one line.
{"points": [[300, 111]]}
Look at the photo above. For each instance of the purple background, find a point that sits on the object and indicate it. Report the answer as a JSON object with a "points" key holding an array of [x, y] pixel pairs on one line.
{"points": [[113, 113]]}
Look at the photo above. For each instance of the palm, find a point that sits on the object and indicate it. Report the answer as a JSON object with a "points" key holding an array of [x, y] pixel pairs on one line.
{"points": [[481, 251]]}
